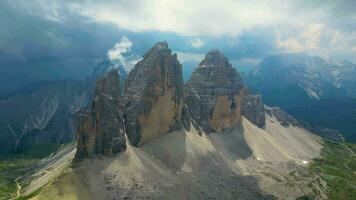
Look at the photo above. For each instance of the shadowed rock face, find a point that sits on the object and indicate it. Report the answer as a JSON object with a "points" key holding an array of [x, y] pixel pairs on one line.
{"points": [[252, 108], [154, 96], [284, 118], [101, 130], [213, 93]]}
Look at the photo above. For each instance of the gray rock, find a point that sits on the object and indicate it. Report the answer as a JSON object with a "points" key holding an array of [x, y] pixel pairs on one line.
{"points": [[154, 96], [330, 134], [284, 118], [252, 108], [213, 93], [101, 129], [186, 119]]}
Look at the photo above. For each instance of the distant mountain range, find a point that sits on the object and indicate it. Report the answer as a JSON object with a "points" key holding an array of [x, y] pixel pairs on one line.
{"points": [[43, 112], [310, 88]]}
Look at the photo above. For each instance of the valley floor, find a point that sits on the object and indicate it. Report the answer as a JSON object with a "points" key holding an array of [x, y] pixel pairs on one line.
{"points": [[10, 169]]}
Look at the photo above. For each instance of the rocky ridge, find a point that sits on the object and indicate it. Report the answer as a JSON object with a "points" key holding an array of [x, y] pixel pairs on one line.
{"points": [[252, 108], [156, 102], [213, 93], [284, 118], [101, 129], [154, 96]]}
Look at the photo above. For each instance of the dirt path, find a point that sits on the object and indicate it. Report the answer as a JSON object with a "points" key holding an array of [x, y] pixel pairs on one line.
{"points": [[18, 188]]}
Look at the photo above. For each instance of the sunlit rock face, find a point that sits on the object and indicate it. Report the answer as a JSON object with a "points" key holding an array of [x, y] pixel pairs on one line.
{"points": [[154, 96], [213, 93], [100, 129]]}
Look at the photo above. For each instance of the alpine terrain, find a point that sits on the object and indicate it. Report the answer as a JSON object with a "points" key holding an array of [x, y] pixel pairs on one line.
{"points": [[210, 138]]}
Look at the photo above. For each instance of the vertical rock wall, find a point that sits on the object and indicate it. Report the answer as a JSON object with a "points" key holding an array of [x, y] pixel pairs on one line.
{"points": [[154, 96], [213, 93], [100, 129], [252, 108]]}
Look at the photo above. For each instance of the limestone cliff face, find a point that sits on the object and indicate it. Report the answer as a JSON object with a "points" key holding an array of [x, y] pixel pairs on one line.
{"points": [[100, 129], [154, 96], [213, 93], [252, 108]]}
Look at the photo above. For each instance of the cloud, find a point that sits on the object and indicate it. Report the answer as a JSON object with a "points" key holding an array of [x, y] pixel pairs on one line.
{"points": [[117, 54], [302, 38], [189, 57], [196, 43], [312, 35], [47, 9], [316, 38], [120, 48], [322, 26], [290, 45], [183, 17]]}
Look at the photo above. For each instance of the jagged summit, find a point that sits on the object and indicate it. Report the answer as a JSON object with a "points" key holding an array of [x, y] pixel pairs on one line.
{"points": [[153, 103], [159, 49], [213, 93], [161, 45], [215, 58], [154, 96], [238, 160], [100, 128]]}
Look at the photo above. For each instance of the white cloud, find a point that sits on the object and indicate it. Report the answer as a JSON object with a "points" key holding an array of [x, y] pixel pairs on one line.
{"points": [[312, 34], [120, 48], [209, 17], [290, 45], [300, 25], [117, 54], [353, 49], [316, 38], [309, 25], [301, 38], [196, 43], [189, 56]]}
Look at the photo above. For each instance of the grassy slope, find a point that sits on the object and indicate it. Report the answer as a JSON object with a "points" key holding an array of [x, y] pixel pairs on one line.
{"points": [[337, 166], [10, 169], [15, 165]]}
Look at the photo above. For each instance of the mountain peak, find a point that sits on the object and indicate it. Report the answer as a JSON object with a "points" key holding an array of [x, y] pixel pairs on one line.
{"points": [[100, 129], [154, 96], [159, 49], [161, 45], [215, 58], [213, 93]]}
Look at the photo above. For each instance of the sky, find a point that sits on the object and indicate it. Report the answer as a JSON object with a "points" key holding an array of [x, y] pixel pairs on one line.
{"points": [[122, 30]]}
